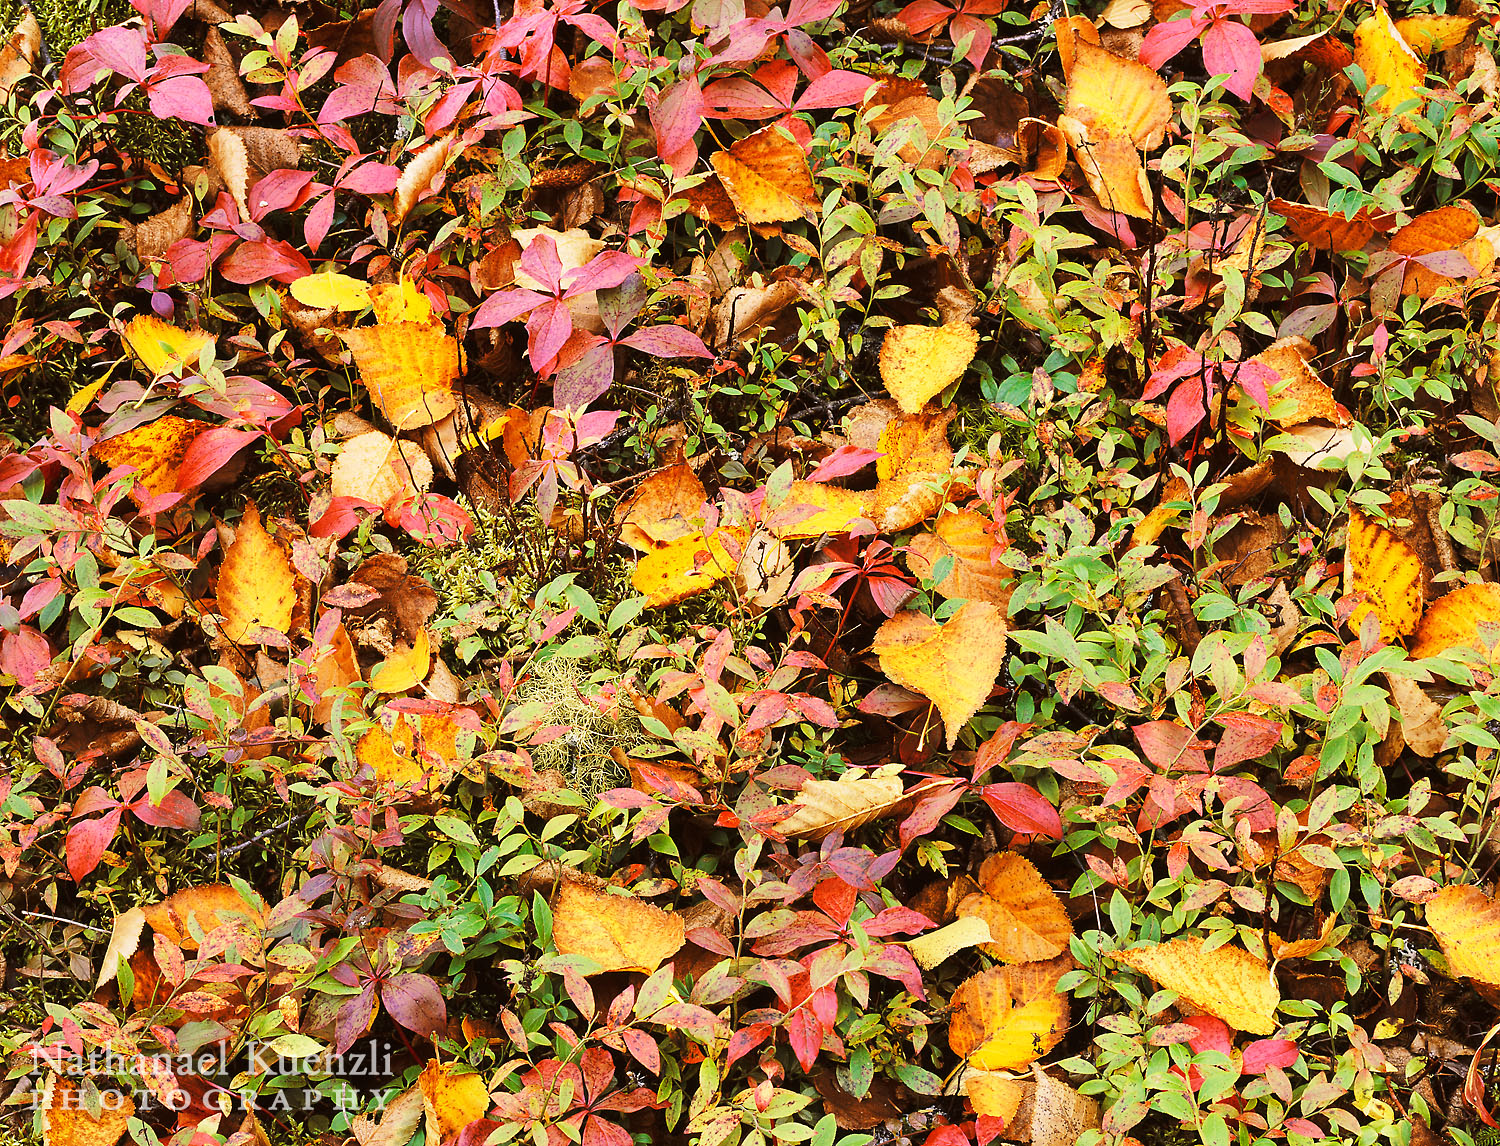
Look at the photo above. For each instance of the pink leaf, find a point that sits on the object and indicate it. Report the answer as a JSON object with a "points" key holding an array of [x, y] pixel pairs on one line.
{"points": [[547, 329], [1170, 746], [677, 116], [210, 452], [1231, 49], [836, 89], [842, 462], [668, 341], [24, 654], [505, 306], [581, 382], [415, 1002], [176, 810], [1246, 737], [1265, 1053], [1165, 40]]}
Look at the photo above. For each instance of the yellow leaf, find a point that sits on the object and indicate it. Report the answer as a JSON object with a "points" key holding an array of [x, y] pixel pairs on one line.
{"points": [[662, 508], [378, 468], [964, 536], [619, 932], [917, 362], [1386, 58], [394, 755], [1115, 109], [409, 369], [65, 1122], [854, 799], [329, 290], [686, 566], [1007, 1017], [767, 177], [1453, 620], [1467, 925], [400, 301], [994, 1095], [406, 667], [954, 665], [160, 347], [1163, 514], [915, 471], [1228, 982], [835, 510], [257, 586], [155, 450], [936, 946], [450, 1100], [1430, 33], [1388, 571], [1026, 919]]}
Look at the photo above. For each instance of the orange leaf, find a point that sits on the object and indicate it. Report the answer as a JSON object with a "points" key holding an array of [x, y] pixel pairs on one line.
{"points": [[1453, 620], [619, 932], [954, 665], [1027, 921], [1300, 396], [206, 909], [65, 1122], [663, 507], [767, 177], [964, 536], [915, 471], [1228, 982], [1430, 32], [450, 1100], [155, 450], [1007, 1017], [1325, 230], [257, 586]]}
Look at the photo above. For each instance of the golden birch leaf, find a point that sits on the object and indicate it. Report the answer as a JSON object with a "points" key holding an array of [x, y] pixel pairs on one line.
{"points": [[954, 665], [1123, 98], [400, 301], [964, 536], [993, 1094], [936, 946], [662, 508], [378, 468], [450, 1100], [257, 585], [159, 346], [1467, 925], [409, 369], [1429, 32], [685, 567], [1453, 620], [767, 177], [854, 799], [65, 1122], [1387, 59], [1388, 571], [1025, 917], [1228, 982], [329, 290], [813, 508], [619, 932], [406, 667], [155, 450], [1007, 1017], [917, 362]]}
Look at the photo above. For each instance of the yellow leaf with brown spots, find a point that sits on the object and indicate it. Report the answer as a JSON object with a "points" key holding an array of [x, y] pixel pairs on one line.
{"points": [[1388, 571], [1007, 1017], [409, 369], [687, 566]]}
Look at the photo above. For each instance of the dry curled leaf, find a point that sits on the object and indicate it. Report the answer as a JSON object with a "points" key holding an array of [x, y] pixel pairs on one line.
{"points": [[619, 932], [854, 799], [1007, 1017], [257, 585], [953, 664], [421, 174], [1227, 982]]}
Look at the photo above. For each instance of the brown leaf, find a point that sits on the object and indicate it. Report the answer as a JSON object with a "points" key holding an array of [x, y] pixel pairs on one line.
{"points": [[856, 798], [18, 57]]}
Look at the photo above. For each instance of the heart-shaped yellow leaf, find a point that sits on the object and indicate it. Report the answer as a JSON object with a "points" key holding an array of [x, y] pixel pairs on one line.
{"points": [[954, 665]]}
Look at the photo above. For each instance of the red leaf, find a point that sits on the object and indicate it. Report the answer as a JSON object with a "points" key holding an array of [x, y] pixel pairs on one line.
{"points": [[1246, 737], [1021, 808], [210, 452], [1231, 49], [844, 461], [86, 842], [1266, 1053]]}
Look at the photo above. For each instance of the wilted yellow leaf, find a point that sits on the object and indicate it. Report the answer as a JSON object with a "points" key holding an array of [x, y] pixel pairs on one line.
{"points": [[155, 450], [1453, 620], [954, 665], [934, 947], [917, 362], [767, 177], [450, 1100], [1387, 59], [329, 290], [854, 799], [834, 510], [65, 1122], [619, 932], [406, 667], [159, 346], [1007, 1017], [1467, 925], [409, 368], [257, 586], [378, 468], [662, 508], [686, 566], [1388, 571], [1228, 982], [1026, 919], [964, 536]]}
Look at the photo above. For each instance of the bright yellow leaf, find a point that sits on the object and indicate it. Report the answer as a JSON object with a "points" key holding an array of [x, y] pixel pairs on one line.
{"points": [[917, 362], [406, 667], [1007, 1017], [257, 586], [160, 347], [409, 369], [1228, 981], [329, 290], [954, 664], [1467, 925], [619, 932], [687, 566], [1388, 571], [1453, 620]]}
